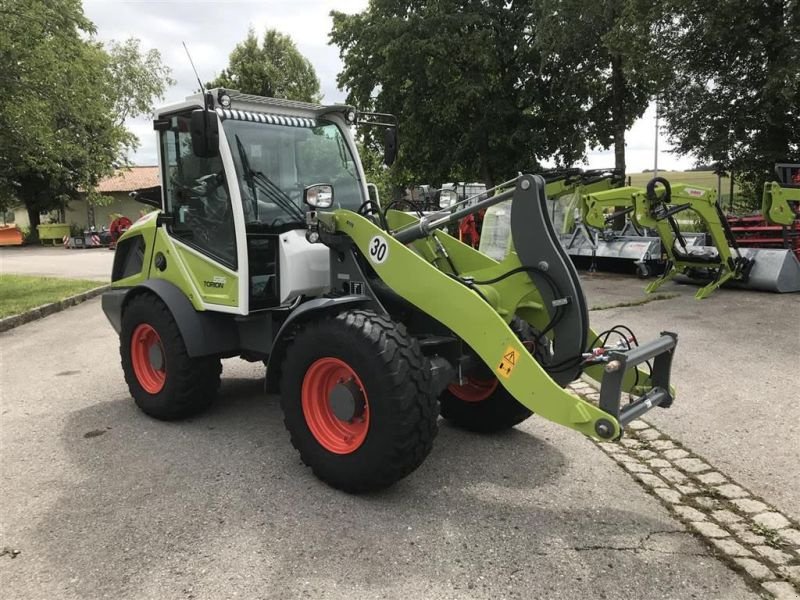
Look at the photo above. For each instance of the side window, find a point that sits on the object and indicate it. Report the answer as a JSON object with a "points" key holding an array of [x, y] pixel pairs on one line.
{"points": [[196, 194]]}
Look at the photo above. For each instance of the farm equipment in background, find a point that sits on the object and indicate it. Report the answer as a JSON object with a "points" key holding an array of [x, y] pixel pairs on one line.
{"points": [[267, 247], [86, 239], [468, 229], [778, 224], [118, 226], [723, 262], [563, 187]]}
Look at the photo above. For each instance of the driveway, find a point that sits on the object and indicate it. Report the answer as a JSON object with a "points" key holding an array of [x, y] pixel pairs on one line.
{"points": [[737, 373], [102, 502], [56, 261]]}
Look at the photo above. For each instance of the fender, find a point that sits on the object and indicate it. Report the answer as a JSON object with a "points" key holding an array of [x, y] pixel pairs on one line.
{"points": [[204, 333], [301, 313]]}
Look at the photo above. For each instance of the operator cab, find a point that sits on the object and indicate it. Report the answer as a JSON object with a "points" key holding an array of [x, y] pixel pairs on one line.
{"points": [[235, 169]]}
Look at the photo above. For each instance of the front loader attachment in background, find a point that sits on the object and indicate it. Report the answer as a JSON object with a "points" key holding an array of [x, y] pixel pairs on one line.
{"points": [[724, 262], [475, 298]]}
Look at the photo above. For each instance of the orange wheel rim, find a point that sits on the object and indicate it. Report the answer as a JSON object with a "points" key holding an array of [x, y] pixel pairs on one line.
{"points": [[148, 358], [474, 389], [324, 379]]}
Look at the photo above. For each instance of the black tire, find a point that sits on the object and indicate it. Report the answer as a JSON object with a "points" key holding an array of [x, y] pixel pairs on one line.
{"points": [[396, 381], [189, 384], [496, 411]]}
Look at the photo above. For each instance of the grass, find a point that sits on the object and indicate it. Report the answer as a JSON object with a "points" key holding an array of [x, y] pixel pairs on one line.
{"points": [[19, 293], [638, 301], [770, 535], [705, 179]]}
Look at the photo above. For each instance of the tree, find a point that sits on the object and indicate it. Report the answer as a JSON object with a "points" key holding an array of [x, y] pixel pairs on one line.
{"points": [[607, 48], [457, 74], [60, 125], [735, 97], [138, 77], [376, 172], [276, 69]]}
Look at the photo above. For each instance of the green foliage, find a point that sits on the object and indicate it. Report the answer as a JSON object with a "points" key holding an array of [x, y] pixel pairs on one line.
{"points": [[486, 89], [276, 68], [377, 173], [63, 102], [138, 78], [457, 74], [606, 48], [735, 95]]}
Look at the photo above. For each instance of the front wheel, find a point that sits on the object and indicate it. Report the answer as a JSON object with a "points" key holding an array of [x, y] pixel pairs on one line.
{"points": [[164, 381], [479, 402], [357, 401]]}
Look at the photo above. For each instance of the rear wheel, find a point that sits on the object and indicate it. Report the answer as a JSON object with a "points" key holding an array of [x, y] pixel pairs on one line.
{"points": [[480, 403], [356, 397], [164, 381]]}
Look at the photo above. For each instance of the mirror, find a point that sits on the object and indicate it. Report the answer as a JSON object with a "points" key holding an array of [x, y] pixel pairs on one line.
{"points": [[150, 196], [319, 195], [204, 128], [447, 198], [389, 146]]}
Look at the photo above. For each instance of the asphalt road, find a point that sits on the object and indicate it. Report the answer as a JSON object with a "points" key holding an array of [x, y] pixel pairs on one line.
{"points": [[737, 376], [103, 502], [57, 261]]}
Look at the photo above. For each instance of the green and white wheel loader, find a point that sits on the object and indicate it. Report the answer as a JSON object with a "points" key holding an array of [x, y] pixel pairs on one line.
{"points": [[266, 246]]}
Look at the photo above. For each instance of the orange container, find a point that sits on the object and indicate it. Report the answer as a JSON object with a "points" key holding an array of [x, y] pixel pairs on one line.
{"points": [[10, 235]]}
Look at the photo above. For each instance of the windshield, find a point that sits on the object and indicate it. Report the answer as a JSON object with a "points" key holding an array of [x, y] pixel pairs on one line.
{"points": [[274, 163]]}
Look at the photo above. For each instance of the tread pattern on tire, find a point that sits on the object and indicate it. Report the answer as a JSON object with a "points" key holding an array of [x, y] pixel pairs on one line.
{"points": [[409, 380], [191, 384]]}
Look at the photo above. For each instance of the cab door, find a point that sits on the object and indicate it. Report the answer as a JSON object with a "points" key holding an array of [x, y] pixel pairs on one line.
{"points": [[198, 240]]}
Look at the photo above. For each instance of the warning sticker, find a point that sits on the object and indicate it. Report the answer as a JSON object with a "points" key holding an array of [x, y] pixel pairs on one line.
{"points": [[508, 362]]}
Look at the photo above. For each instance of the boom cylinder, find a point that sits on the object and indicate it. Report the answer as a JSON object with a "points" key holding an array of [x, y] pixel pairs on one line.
{"points": [[426, 224]]}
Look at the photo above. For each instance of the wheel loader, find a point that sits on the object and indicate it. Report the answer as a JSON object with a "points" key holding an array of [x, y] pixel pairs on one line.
{"points": [[371, 324]]}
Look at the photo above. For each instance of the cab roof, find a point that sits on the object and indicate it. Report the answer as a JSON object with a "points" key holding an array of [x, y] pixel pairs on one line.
{"points": [[240, 101]]}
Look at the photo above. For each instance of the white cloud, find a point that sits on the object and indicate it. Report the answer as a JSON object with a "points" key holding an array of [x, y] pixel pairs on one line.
{"points": [[212, 29]]}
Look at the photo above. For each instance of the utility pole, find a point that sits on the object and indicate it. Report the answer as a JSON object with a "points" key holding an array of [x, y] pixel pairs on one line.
{"points": [[655, 154]]}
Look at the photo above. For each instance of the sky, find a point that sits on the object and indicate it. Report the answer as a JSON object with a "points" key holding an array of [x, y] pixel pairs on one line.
{"points": [[211, 29]]}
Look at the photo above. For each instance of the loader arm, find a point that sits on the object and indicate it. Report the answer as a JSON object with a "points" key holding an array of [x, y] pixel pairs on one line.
{"points": [[780, 205], [577, 187], [409, 260], [657, 210]]}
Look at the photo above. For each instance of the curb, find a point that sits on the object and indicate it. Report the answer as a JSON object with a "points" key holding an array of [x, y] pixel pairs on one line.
{"points": [[755, 539], [48, 309]]}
